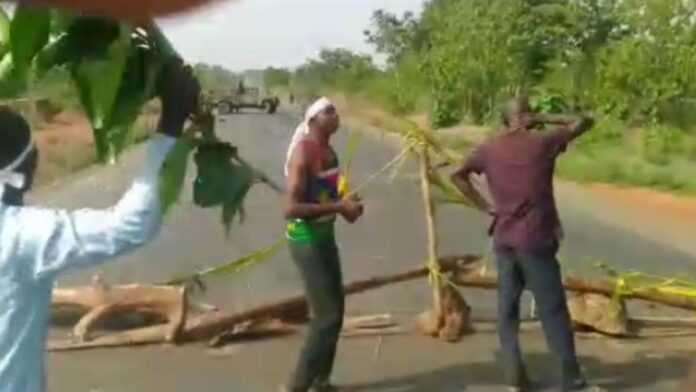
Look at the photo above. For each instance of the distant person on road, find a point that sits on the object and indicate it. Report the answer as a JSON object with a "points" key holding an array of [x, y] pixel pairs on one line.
{"points": [[312, 202], [519, 164], [39, 244]]}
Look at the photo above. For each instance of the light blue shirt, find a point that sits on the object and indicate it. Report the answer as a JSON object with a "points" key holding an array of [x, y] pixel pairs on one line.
{"points": [[37, 244]]}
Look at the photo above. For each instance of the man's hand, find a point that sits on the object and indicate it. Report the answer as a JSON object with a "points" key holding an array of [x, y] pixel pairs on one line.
{"points": [[563, 119], [179, 92], [351, 209], [529, 121], [576, 124]]}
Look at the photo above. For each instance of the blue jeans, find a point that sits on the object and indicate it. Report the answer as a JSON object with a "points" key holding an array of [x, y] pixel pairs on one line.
{"points": [[538, 271]]}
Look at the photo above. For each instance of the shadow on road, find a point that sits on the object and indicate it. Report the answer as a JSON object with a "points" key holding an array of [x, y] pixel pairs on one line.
{"points": [[641, 372]]}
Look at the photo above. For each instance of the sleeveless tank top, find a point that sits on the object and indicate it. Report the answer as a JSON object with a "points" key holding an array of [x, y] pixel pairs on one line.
{"points": [[322, 187]]}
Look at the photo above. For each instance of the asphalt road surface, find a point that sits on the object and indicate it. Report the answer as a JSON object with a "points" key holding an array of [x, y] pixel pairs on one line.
{"points": [[390, 238]]}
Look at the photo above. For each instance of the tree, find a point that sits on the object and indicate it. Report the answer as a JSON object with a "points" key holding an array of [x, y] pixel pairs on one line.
{"points": [[215, 76], [276, 77], [395, 36], [336, 68], [648, 72]]}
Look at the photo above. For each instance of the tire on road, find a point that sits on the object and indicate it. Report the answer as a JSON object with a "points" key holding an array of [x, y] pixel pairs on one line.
{"points": [[225, 107], [269, 106], [272, 107]]}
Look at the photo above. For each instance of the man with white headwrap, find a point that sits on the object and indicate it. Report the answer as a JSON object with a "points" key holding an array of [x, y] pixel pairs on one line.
{"points": [[38, 244], [312, 201]]}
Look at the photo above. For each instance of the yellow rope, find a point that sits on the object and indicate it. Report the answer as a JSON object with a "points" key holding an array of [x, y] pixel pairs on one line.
{"points": [[632, 282]]}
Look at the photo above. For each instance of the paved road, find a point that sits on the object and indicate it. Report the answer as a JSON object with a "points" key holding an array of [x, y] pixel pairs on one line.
{"points": [[390, 238]]}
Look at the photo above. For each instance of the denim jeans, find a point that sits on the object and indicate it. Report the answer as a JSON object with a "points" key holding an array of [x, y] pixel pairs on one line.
{"points": [[320, 267], [539, 272]]}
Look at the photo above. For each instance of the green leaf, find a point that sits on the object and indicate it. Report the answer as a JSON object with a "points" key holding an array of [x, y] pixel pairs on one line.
{"points": [[221, 180], [234, 206], [61, 21], [4, 32], [448, 193], [75, 38], [173, 173], [164, 46], [98, 80], [6, 68], [234, 266], [354, 139], [29, 32], [11, 83], [56, 53], [93, 36], [137, 88], [211, 164]]}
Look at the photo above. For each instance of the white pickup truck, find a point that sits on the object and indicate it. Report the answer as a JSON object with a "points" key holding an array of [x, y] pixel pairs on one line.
{"points": [[246, 98]]}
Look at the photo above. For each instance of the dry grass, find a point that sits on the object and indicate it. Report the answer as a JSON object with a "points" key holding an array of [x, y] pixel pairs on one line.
{"points": [[66, 144]]}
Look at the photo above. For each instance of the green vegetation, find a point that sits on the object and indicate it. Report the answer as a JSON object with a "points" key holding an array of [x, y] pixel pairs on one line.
{"points": [[628, 62], [276, 78], [212, 77], [116, 70]]}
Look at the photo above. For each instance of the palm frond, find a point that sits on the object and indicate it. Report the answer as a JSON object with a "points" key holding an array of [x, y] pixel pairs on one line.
{"points": [[354, 140], [231, 268], [411, 132], [447, 193], [398, 168], [372, 177]]}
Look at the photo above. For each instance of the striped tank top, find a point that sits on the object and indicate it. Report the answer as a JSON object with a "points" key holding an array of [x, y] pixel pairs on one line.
{"points": [[322, 187]]}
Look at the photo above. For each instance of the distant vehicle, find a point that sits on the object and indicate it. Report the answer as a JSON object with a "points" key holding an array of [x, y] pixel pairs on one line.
{"points": [[246, 98]]}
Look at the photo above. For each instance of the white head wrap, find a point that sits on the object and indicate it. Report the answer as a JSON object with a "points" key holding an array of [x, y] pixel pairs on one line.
{"points": [[302, 130], [10, 176]]}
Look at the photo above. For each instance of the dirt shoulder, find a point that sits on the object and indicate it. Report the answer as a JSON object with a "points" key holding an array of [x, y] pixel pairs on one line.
{"points": [[66, 144], [659, 216]]}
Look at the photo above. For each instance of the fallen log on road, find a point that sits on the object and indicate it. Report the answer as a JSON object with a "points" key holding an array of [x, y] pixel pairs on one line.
{"points": [[474, 279], [100, 302], [206, 326], [463, 271]]}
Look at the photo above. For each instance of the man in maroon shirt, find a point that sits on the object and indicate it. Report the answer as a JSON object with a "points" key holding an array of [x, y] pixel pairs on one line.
{"points": [[519, 165]]}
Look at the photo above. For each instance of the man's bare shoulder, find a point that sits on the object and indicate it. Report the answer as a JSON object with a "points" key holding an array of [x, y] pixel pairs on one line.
{"points": [[302, 153]]}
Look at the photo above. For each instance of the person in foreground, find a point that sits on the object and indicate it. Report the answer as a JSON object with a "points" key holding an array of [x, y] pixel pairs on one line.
{"points": [[39, 244], [519, 165], [312, 202]]}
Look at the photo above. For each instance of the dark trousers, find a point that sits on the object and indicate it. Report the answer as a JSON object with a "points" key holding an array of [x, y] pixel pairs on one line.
{"points": [[320, 267], [540, 273]]}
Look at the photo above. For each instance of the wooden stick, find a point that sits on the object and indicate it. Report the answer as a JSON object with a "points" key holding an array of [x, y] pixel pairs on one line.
{"points": [[373, 332], [378, 348], [425, 169], [376, 321]]}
